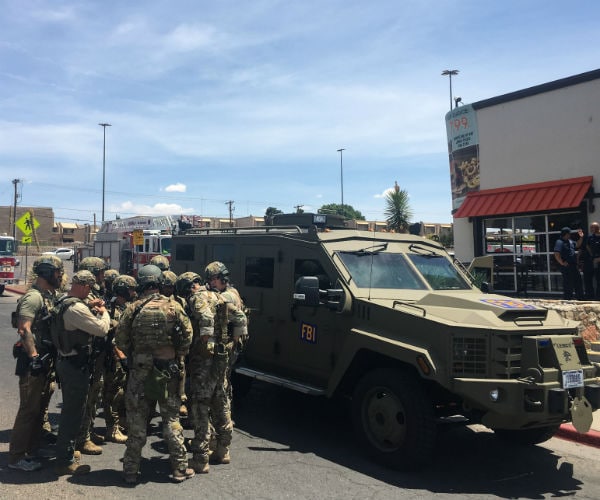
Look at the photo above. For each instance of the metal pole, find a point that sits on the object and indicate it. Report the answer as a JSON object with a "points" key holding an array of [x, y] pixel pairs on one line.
{"points": [[340, 151], [104, 125], [449, 73], [14, 221]]}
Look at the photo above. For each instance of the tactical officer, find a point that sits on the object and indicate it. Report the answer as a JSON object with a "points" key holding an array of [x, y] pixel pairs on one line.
{"points": [[167, 288], [80, 322], [88, 440], [35, 364], [161, 262], [110, 275], [157, 332], [211, 312], [115, 374]]}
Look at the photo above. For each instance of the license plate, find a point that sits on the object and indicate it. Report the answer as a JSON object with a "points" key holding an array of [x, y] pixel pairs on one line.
{"points": [[572, 378]]}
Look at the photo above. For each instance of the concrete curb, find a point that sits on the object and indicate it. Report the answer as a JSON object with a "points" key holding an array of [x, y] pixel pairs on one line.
{"points": [[8, 288], [568, 432]]}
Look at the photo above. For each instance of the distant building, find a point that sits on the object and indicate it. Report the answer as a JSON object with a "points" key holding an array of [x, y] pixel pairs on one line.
{"points": [[43, 223]]}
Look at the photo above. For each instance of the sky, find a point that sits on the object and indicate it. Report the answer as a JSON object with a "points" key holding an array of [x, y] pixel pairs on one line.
{"points": [[249, 101]]}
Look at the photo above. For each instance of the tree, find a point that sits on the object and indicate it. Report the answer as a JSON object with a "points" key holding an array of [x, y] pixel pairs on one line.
{"points": [[271, 211], [346, 211], [397, 211]]}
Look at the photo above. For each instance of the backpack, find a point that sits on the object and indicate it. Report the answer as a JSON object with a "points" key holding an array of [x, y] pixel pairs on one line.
{"points": [[57, 323], [150, 322]]}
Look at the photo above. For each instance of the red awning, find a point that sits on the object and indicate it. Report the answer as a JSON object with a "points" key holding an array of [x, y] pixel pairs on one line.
{"points": [[539, 197]]}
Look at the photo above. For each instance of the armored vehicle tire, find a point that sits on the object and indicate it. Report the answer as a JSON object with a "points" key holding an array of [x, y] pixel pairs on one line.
{"points": [[527, 436], [393, 418]]}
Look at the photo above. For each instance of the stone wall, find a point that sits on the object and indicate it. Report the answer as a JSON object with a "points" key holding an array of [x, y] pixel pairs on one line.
{"points": [[587, 313]]}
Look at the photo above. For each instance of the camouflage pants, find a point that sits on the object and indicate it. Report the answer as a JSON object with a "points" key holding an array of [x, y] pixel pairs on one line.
{"points": [[209, 403], [94, 395], [113, 399], [136, 405]]}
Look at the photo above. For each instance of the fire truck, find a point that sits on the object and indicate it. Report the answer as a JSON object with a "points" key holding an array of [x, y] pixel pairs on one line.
{"points": [[8, 261], [129, 244]]}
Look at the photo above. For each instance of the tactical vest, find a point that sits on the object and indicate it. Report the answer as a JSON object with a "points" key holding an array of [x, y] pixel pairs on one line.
{"points": [[153, 324], [66, 340], [40, 325]]}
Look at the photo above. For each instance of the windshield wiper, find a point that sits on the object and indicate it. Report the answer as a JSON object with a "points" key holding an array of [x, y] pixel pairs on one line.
{"points": [[423, 251], [368, 250]]}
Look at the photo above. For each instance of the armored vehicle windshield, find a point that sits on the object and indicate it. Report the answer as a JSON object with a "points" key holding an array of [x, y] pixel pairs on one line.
{"points": [[376, 268]]}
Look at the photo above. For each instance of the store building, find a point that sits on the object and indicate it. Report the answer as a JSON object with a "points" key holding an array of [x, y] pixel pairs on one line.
{"points": [[523, 165]]}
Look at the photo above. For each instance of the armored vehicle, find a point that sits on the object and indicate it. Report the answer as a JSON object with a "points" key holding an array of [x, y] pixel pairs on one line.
{"points": [[391, 321]]}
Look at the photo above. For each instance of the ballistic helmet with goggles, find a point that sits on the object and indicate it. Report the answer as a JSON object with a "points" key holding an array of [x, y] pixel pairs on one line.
{"points": [[94, 265], [123, 284], [216, 269], [184, 283], [46, 266], [149, 275], [169, 278], [161, 262]]}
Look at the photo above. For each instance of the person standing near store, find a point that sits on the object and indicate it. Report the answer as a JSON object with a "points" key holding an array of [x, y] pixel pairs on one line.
{"points": [[34, 375], [593, 250], [565, 253], [81, 322]]}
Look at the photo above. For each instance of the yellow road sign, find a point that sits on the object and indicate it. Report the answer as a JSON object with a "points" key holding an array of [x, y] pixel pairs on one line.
{"points": [[26, 239], [27, 224], [138, 237]]}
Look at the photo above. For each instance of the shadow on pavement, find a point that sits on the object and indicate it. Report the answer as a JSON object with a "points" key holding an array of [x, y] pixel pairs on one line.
{"points": [[467, 460]]}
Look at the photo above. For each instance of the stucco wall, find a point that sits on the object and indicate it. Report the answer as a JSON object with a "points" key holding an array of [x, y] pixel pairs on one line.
{"points": [[587, 313]]}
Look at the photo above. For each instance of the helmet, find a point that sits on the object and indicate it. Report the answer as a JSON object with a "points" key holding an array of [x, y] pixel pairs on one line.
{"points": [[161, 262], [169, 278], [110, 275], [149, 275], [123, 284], [185, 281], [93, 264], [46, 265], [216, 269]]}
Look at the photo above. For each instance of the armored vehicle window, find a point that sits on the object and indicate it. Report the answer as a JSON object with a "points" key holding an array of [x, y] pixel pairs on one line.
{"points": [[311, 267], [439, 272], [224, 253], [381, 270], [184, 251], [259, 272]]}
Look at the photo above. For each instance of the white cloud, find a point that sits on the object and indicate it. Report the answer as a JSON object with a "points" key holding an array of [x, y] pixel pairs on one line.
{"points": [[185, 38], [176, 188], [128, 208]]}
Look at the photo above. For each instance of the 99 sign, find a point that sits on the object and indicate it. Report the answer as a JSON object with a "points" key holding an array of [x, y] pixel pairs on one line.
{"points": [[458, 123]]}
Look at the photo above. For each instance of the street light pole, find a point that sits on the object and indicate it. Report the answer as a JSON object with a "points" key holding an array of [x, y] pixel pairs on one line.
{"points": [[342, 174], [450, 73], [104, 125]]}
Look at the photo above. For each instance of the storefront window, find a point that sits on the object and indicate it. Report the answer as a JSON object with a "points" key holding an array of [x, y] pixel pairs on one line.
{"points": [[523, 250]]}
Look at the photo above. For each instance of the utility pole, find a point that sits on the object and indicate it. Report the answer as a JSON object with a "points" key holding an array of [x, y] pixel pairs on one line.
{"points": [[104, 125], [231, 210], [340, 151], [14, 215]]}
